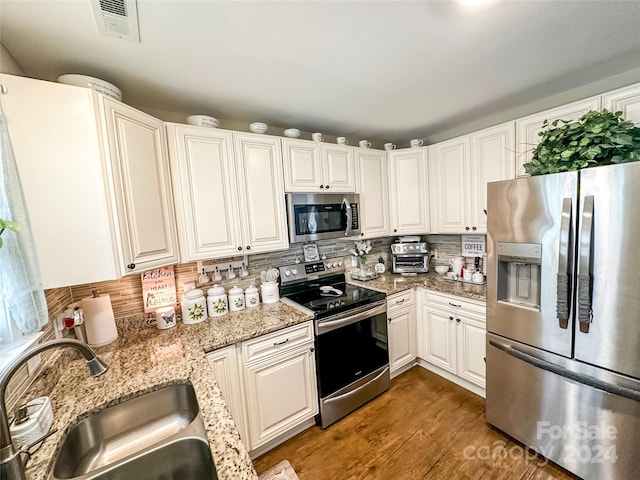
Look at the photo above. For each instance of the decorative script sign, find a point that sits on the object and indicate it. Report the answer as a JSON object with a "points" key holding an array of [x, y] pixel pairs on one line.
{"points": [[473, 245], [158, 288]]}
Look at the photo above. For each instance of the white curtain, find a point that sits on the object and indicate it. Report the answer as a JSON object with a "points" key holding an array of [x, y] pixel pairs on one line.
{"points": [[23, 308]]}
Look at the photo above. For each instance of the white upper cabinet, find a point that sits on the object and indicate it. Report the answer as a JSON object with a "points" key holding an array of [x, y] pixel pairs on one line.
{"points": [[625, 100], [311, 166], [462, 167], [54, 134], [450, 191], [136, 147], [492, 160], [229, 192], [261, 193], [205, 186], [373, 187], [527, 128], [408, 191]]}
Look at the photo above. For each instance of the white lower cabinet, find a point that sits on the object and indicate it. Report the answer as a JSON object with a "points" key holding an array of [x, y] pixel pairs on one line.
{"points": [[401, 318], [451, 337], [226, 370], [281, 393], [269, 384]]}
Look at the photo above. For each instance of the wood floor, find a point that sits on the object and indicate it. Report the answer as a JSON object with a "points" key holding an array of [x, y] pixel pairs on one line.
{"points": [[425, 427]]}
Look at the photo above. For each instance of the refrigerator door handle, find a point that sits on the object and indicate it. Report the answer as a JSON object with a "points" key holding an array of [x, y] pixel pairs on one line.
{"points": [[563, 285], [563, 372], [585, 314]]}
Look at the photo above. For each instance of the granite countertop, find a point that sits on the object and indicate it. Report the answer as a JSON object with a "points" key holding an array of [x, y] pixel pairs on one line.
{"points": [[144, 359], [392, 283]]}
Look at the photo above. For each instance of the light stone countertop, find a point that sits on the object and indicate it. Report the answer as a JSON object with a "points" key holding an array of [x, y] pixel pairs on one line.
{"points": [[392, 283], [144, 359]]}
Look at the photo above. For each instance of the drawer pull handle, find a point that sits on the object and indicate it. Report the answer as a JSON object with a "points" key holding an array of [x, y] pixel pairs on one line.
{"points": [[454, 305], [275, 344], [400, 301]]}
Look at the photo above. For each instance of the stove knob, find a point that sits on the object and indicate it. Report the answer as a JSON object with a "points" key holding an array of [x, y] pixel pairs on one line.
{"points": [[294, 271], [328, 265], [331, 305], [340, 263], [334, 264], [287, 273]]}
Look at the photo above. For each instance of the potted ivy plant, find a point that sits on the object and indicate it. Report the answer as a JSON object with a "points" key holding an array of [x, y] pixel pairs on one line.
{"points": [[6, 224], [597, 138]]}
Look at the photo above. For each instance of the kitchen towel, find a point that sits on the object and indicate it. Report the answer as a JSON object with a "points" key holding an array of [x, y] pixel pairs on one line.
{"points": [[99, 321]]}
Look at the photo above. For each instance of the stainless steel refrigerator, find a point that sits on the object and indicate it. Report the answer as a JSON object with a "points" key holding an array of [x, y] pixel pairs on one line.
{"points": [[563, 317]]}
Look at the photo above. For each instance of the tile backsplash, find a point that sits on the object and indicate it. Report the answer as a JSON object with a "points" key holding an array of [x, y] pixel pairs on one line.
{"points": [[126, 293]]}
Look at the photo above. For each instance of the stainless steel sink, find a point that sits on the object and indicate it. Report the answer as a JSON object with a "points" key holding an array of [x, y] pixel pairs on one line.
{"points": [[160, 434]]}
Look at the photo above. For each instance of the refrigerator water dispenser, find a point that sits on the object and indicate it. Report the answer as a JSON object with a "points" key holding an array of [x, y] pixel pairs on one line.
{"points": [[519, 274]]}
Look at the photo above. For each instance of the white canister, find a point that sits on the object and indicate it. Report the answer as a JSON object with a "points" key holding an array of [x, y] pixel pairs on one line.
{"points": [[194, 307], [236, 299], [270, 292], [217, 301], [251, 297]]}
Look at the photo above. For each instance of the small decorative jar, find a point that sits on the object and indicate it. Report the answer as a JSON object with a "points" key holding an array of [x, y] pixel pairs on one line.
{"points": [[236, 299], [217, 301], [251, 297], [194, 307]]}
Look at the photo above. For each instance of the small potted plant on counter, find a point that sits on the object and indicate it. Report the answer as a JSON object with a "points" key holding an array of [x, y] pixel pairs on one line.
{"points": [[596, 139]]}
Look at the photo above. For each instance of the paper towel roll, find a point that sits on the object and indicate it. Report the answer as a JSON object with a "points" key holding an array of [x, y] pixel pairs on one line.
{"points": [[99, 321]]}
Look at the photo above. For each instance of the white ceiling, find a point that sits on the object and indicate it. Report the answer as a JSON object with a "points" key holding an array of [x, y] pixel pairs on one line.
{"points": [[383, 70]]}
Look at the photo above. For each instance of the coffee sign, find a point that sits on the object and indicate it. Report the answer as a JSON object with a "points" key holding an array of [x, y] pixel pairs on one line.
{"points": [[473, 245], [158, 288]]}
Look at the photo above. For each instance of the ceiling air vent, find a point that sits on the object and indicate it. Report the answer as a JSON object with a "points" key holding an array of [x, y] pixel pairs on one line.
{"points": [[117, 18]]}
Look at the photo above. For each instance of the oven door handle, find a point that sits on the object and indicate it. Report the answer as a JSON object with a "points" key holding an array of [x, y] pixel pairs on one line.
{"points": [[354, 392], [329, 325]]}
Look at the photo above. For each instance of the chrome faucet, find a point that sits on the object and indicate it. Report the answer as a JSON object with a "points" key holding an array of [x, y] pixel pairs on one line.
{"points": [[11, 463]]}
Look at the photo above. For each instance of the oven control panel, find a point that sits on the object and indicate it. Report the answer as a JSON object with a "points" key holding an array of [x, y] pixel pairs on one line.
{"points": [[305, 271]]}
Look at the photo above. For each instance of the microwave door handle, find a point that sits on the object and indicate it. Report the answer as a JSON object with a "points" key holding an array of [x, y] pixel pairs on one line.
{"points": [[349, 213], [563, 285], [585, 313]]}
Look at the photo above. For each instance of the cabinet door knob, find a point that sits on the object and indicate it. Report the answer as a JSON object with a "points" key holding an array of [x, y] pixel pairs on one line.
{"points": [[248, 247], [239, 249], [326, 187], [473, 228], [466, 228], [450, 318], [458, 320], [312, 349], [395, 230], [321, 186], [131, 266]]}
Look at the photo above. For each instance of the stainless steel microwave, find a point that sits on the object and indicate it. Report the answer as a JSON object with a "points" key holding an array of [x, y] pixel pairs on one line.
{"points": [[319, 216]]}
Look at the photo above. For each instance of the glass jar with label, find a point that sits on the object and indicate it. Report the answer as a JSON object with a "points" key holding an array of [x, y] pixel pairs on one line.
{"points": [[217, 301], [236, 299]]}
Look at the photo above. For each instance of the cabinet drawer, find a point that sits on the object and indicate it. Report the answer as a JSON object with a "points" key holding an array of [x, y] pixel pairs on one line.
{"points": [[452, 301], [399, 300], [263, 347]]}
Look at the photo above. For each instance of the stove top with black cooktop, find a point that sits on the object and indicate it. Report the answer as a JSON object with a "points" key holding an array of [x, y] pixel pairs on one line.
{"points": [[326, 294]]}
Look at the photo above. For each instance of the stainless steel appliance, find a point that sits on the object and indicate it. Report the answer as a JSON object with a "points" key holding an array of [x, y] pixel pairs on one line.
{"points": [[411, 257], [563, 317], [319, 216], [351, 344]]}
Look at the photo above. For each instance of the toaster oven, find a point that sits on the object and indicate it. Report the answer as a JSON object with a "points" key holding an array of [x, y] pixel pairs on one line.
{"points": [[410, 257]]}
